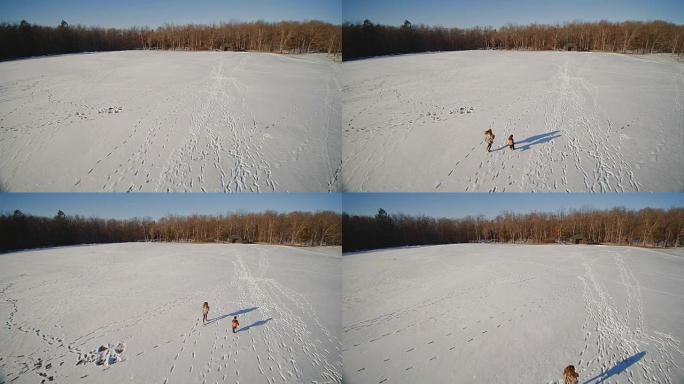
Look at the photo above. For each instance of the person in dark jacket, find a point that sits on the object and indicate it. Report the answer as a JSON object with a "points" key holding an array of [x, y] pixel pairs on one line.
{"points": [[489, 139], [205, 312]]}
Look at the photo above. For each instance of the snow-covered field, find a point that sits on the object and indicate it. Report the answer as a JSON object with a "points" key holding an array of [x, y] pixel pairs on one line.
{"points": [[477, 313], [58, 305], [170, 121], [583, 122]]}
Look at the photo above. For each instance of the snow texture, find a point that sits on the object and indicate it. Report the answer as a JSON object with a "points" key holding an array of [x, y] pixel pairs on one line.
{"points": [[485, 313], [58, 306], [170, 121], [582, 121]]}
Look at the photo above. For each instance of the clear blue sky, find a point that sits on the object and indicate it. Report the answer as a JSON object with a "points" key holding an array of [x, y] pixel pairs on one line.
{"points": [[457, 205], [155, 205], [153, 13], [468, 13]]}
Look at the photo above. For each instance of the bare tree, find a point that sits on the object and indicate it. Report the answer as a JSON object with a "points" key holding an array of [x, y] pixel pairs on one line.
{"points": [[20, 231], [24, 39], [369, 39], [646, 227]]}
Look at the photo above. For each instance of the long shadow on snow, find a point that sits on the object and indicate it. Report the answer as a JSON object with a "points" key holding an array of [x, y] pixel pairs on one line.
{"points": [[255, 324], [236, 313], [617, 369], [525, 144]]}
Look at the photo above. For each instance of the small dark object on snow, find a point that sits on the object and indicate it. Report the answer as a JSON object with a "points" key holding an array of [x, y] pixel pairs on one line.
{"points": [[120, 348]]}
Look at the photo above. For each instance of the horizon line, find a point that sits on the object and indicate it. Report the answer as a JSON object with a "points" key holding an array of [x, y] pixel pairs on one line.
{"points": [[564, 23], [172, 24], [213, 215], [504, 212]]}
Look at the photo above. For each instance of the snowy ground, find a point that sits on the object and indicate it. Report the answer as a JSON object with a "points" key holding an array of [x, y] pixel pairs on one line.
{"points": [[60, 304], [170, 121], [583, 122], [474, 313]]}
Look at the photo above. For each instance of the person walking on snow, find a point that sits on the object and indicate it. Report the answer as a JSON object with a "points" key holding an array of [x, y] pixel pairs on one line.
{"points": [[234, 323], [510, 142], [489, 139], [569, 375], [205, 312]]}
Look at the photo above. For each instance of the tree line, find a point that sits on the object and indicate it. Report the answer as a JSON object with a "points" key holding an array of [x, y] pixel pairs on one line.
{"points": [[368, 39], [646, 227], [25, 39], [22, 231]]}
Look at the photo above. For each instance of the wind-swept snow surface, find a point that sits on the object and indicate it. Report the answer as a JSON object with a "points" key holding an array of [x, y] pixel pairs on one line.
{"points": [[170, 121], [583, 121], [474, 313], [59, 305]]}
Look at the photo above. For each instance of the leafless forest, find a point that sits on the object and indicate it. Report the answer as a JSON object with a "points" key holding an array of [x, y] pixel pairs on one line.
{"points": [[646, 227], [21, 231], [368, 39], [25, 39]]}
